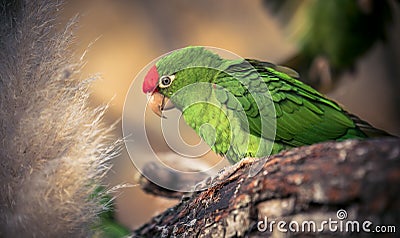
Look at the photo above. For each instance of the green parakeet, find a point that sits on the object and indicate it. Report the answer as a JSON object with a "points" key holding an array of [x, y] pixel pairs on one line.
{"points": [[235, 105]]}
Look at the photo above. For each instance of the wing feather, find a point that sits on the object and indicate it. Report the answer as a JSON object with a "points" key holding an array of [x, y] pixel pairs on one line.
{"points": [[303, 115]]}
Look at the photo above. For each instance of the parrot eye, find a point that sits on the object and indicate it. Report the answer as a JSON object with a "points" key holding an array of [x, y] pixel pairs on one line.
{"points": [[165, 81]]}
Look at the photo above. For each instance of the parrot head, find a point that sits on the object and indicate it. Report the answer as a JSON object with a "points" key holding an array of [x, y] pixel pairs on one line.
{"points": [[175, 71]]}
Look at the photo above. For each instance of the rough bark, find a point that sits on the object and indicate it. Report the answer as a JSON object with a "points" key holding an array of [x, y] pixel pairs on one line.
{"points": [[304, 184]]}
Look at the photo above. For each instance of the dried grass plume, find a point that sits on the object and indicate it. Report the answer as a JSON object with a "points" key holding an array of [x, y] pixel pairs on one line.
{"points": [[53, 146]]}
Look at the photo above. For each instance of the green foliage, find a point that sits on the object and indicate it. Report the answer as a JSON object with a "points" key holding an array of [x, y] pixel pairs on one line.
{"points": [[342, 31], [107, 225]]}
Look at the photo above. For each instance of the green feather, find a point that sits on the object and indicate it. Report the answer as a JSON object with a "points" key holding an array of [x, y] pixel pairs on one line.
{"points": [[235, 99]]}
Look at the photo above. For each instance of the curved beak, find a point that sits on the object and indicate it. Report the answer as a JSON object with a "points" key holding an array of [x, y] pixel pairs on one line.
{"points": [[158, 103]]}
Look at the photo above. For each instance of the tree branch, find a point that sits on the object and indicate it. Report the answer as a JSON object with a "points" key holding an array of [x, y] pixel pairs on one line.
{"points": [[304, 184]]}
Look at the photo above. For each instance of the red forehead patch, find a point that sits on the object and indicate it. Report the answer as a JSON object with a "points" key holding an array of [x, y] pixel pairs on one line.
{"points": [[151, 80]]}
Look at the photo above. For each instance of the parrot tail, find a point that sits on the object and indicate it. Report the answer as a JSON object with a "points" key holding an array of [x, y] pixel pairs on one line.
{"points": [[367, 128]]}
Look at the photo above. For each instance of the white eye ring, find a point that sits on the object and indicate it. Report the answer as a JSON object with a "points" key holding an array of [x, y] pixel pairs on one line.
{"points": [[165, 81]]}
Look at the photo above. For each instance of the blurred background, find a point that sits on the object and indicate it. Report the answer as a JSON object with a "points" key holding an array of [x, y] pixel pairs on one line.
{"points": [[346, 49]]}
